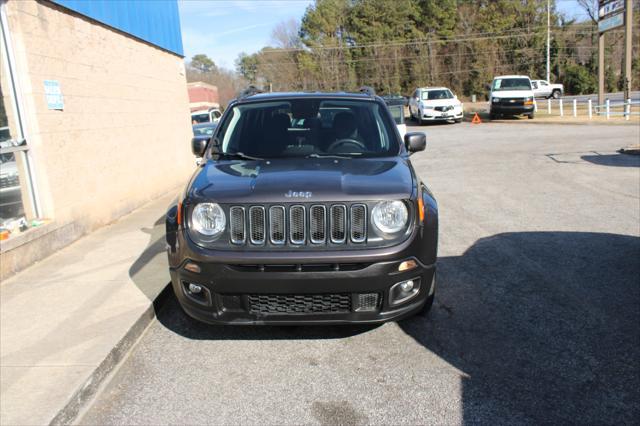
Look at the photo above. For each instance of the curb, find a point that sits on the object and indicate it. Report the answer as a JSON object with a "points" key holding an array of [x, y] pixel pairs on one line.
{"points": [[568, 123], [539, 120], [69, 413]]}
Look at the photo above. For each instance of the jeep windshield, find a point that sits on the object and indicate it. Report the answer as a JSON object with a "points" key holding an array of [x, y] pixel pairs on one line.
{"points": [[511, 84], [308, 128]]}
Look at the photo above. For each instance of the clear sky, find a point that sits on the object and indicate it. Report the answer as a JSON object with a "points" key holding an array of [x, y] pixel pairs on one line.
{"points": [[222, 29]]}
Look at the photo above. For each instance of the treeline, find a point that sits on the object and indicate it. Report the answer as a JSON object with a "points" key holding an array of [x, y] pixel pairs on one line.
{"points": [[398, 45]]}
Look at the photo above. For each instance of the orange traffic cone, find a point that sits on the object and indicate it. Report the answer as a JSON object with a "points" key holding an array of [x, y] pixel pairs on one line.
{"points": [[476, 119]]}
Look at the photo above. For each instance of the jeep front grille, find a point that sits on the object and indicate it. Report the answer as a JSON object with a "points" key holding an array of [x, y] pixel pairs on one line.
{"points": [[256, 225], [338, 224], [238, 234], [317, 220], [298, 225], [277, 228], [358, 223]]}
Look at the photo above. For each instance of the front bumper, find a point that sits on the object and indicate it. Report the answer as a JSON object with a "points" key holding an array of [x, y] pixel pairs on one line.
{"points": [[230, 289], [433, 115], [511, 110]]}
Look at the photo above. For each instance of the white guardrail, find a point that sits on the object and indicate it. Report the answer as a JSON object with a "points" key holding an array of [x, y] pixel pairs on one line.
{"points": [[608, 109]]}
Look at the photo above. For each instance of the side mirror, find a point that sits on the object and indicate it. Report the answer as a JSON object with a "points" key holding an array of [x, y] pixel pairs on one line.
{"points": [[415, 141], [199, 145], [488, 87]]}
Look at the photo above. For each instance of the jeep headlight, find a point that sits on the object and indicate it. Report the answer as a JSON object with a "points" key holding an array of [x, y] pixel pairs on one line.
{"points": [[390, 216], [494, 99], [208, 219]]}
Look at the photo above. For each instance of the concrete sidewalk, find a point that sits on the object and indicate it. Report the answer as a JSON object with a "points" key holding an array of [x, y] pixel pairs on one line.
{"points": [[66, 321]]}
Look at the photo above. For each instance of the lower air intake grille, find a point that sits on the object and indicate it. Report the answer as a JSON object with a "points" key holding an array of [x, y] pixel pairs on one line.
{"points": [[368, 302], [299, 303]]}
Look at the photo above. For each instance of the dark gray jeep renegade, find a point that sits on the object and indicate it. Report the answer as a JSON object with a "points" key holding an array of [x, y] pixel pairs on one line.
{"points": [[305, 208]]}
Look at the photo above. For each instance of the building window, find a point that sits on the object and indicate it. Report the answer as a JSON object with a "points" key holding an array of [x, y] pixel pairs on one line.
{"points": [[18, 207]]}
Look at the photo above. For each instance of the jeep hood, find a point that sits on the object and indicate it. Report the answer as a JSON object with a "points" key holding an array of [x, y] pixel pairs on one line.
{"points": [[303, 180]]}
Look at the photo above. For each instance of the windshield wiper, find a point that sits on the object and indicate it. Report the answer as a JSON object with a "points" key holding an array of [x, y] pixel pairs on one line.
{"points": [[344, 157], [242, 155]]}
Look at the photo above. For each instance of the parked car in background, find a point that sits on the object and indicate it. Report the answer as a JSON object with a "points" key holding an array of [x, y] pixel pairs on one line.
{"points": [[203, 131], [543, 89], [305, 208], [396, 106], [211, 115], [511, 95], [435, 104]]}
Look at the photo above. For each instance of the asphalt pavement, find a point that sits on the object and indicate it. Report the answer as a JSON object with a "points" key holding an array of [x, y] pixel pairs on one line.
{"points": [[536, 317]]}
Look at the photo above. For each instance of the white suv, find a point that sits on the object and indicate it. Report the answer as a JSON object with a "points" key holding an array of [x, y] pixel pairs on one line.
{"points": [[211, 115], [435, 104]]}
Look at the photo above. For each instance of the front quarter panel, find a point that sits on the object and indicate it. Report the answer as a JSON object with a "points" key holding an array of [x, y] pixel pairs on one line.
{"points": [[430, 226]]}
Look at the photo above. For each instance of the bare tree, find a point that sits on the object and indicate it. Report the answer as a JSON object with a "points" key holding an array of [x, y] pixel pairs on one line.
{"points": [[286, 35], [591, 7]]}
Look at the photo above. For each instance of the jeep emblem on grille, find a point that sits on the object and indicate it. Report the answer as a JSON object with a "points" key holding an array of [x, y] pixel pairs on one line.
{"points": [[298, 194]]}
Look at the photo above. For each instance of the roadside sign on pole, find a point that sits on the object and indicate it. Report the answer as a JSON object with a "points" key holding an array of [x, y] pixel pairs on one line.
{"points": [[608, 7], [611, 22]]}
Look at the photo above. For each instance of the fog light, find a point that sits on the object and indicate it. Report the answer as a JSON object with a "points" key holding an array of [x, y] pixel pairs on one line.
{"points": [[403, 291], [407, 265], [406, 286], [195, 288]]}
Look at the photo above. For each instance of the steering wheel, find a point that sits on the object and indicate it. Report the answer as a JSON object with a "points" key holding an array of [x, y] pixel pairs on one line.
{"points": [[346, 141]]}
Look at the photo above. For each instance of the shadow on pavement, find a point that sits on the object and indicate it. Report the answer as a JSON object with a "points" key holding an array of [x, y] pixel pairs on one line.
{"points": [[616, 160], [150, 271], [545, 326]]}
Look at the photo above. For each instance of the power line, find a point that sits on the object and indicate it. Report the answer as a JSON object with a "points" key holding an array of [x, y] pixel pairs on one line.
{"points": [[410, 43], [468, 37]]}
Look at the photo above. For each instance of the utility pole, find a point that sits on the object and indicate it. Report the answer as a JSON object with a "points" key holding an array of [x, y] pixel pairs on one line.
{"points": [[627, 49], [548, 38], [600, 69]]}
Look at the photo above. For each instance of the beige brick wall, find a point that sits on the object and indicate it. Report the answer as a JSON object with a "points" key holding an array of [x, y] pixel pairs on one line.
{"points": [[123, 137]]}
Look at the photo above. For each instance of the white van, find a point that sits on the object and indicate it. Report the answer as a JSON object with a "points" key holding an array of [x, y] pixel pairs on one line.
{"points": [[511, 95]]}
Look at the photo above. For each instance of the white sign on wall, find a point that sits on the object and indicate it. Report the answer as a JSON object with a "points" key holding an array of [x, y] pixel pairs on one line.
{"points": [[53, 94]]}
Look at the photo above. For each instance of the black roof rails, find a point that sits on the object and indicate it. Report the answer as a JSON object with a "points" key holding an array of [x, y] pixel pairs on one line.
{"points": [[249, 91], [367, 90]]}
